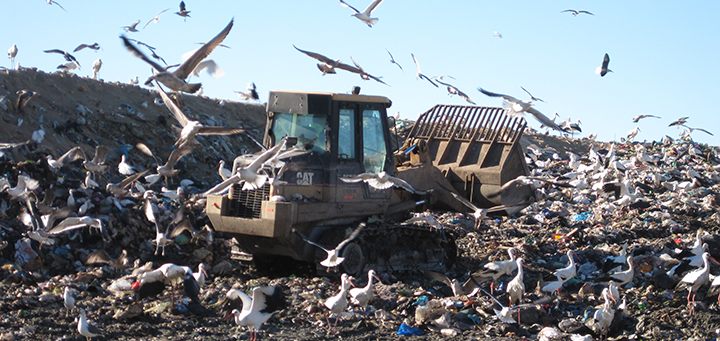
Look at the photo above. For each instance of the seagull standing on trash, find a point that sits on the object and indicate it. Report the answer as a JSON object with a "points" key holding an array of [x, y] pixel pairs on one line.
{"points": [[85, 328]]}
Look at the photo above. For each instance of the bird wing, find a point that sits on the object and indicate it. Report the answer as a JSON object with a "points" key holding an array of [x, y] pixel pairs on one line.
{"points": [[68, 224], [372, 6], [436, 276], [310, 241], [75, 153], [316, 56], [528, 92], [258, 299], [178, 154], [130, 179], [606, 61], [220, 131], [428, 79], [505, 97], [174, 109], [56, 51], [143, 148], [223, 185], [349, 6], [28, 183], [354, 179], [189, 65], [402, 184], [352, 236], [464, 201], [347, 67], [546, 121], [568, 10], [135, 51], [100, 154], [417, 65], [586, 12], [704, 131], [58, 4], [80, 47]]}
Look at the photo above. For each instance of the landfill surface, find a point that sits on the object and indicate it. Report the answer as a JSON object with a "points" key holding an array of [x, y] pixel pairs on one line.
{"points": [[652, 197]]}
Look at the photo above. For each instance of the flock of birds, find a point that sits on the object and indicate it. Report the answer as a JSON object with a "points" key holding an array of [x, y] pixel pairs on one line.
{"points": [[604, 173]]}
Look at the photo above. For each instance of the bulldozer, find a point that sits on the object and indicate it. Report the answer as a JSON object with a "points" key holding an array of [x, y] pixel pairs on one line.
{"points": [[467, 150]]}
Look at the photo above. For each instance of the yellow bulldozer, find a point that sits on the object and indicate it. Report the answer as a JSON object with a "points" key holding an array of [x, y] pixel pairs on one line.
{"points": [[467, 150]]}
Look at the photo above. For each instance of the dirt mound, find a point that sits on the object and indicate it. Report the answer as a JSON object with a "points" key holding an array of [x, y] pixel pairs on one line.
{"points": [[82, 111]]}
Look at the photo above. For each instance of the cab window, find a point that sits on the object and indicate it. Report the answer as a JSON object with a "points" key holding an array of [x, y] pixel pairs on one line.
{"points": [[374, 147]]}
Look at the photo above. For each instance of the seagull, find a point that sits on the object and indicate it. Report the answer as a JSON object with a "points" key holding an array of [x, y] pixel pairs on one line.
{"points": [[576, 12], [161, 238], [333, 256], [97, 164], [191, 128], [516, 287], [67, 67], [54, 2], [679, 122], [85, 328], [515, 106], [250, 94], [69, 299], [212, 68], [338, 303], [698, 129], [265, 302], [362, 296], [453, 90], [97, 64], [359, 70], [458, 289], [72, 223], [25, 185], [381, 180], [183, 11], [327, 66], [124, 167], [532, 98], [23, 97], [478, 213], [418, 72], [497, 34], [571, 127], [176, 80], [364, 16], [93, 46], [602, 70], [392, 60], [569, 271], [637, 118], [222, 171], [132, 27], [251, 173], [12, 53], [156, 18]]}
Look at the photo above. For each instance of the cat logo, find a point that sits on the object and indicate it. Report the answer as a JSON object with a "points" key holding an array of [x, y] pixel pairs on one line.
{"points": [[305, 178]]}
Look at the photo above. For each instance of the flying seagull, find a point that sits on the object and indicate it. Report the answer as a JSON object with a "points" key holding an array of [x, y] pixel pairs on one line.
{"points": [[183, 11], [575, 12], [532, 98], [132, 27], [602, 70], [156, 18], [381, 180], [392, 60], [364, 16], [359, 70], [452, 90], [54, 2], [418, 72], [698, 129], [176, 80], [93, 46], [23, 97], [66, 55], [680, 121], [192, 128], [327, 65], [516, 106], [333, 256], [637, 118], [250, 94], [478, 213]]}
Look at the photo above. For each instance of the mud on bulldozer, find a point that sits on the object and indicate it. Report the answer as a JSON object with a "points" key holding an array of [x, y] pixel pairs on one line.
{"points": [[467, 150]]}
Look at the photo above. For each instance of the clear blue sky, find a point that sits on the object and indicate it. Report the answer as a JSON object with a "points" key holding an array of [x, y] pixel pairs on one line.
{"points": [[664, 53]]}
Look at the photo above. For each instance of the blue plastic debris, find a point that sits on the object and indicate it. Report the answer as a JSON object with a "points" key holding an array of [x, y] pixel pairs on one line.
{"points": [[410, 149], [405, 330], [582, 216], [421, 301]]}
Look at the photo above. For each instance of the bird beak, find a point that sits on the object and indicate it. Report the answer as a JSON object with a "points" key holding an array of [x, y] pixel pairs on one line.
{"points": [[377, 278], [714, 260]]}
